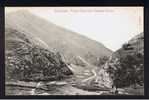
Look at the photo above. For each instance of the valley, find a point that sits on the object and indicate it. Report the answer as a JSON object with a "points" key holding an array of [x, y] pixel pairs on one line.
{"points": [[42, 58]]}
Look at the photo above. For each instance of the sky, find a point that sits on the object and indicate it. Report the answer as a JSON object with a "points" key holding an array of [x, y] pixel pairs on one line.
{"points": [[111, 26]]}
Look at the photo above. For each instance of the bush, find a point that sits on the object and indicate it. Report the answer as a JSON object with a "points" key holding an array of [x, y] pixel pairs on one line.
{"points": [[127, 70], [103, 60]]}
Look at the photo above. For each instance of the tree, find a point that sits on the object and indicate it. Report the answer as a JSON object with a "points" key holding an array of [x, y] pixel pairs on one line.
{"points": [[103, 60], [125, 71]]}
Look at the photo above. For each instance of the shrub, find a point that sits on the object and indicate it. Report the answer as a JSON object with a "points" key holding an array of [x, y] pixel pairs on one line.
{"points": [[127, 70]]}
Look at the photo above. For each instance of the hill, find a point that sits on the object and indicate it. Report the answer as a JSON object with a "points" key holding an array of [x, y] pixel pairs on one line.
{"points": [[134, 45], [126, 66], [68, 43], [27, 60]]}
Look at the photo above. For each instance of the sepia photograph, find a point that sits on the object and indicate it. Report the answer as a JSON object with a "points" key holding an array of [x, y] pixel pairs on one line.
{"points": [[74, 51]]}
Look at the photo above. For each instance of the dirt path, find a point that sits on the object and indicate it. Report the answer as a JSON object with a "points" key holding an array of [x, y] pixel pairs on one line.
{"points": [[91, 77]]}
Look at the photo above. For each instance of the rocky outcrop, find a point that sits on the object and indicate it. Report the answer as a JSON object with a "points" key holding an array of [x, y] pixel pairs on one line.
{"points": [[104, 79], [25, 60]]}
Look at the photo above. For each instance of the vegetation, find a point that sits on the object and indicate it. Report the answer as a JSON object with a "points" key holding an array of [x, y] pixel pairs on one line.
{"points": [[103, 60], [127, 70], [27, 61], [127, 46]]}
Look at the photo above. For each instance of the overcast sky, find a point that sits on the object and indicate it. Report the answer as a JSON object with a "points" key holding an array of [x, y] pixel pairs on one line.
{"points": [[111, 26]]}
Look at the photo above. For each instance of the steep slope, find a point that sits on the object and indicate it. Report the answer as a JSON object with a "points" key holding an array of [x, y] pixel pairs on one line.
{"points": [[69, 43], [130, 56], [135, 45], [25, 59]]}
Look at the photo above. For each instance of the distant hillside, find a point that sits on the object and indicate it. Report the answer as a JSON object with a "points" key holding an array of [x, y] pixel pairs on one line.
{"points": [[135, 45], [68, 43], [26, 60]]}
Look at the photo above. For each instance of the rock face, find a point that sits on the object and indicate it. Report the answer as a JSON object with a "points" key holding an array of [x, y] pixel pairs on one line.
{"points": [[104, 79], [26, 60], [133, 47], [68, 43]]}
